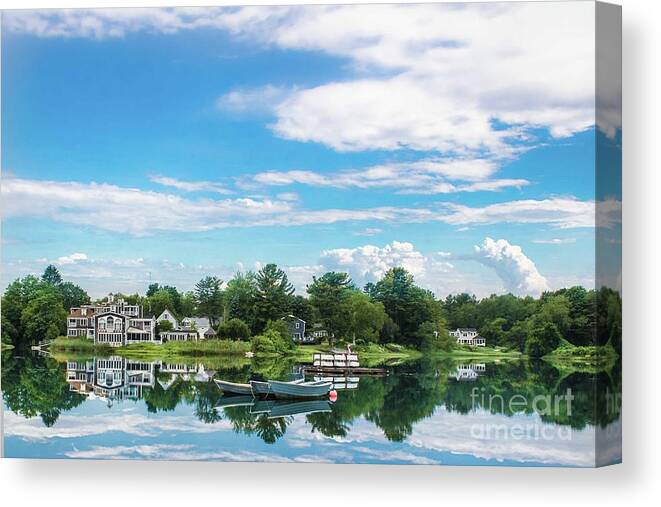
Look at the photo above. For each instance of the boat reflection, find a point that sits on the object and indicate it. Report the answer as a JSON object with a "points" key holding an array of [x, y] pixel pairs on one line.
{"points": [[274, 408]]}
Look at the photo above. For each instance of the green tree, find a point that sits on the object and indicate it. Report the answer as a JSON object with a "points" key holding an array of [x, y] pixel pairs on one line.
{"points": [[234, 329], [543, 339], [51, 276], [164, 326], [367, 317], [329, 294], [494, 331], [301, 307], [272, 295], [72, 295], [240, 296], [158, 302], [209, 298], [407, 304], [44, 317]]}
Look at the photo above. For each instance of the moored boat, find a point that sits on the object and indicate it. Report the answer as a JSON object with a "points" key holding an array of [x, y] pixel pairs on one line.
{"points": [[233, 387], [301, 389], [260, 388]]}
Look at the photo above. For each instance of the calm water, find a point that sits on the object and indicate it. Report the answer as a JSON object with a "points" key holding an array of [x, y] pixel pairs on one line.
{"points": [[509, 413]]}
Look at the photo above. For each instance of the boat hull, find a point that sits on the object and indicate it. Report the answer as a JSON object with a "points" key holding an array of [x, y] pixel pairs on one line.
{"points": [[288, 390], [234, 388], [260, 388]]}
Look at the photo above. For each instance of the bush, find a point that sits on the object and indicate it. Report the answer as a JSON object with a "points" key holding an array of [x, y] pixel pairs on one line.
{"points": [[543, 339], [234, 329], [271, 343], [164, 326], [431, 336]]}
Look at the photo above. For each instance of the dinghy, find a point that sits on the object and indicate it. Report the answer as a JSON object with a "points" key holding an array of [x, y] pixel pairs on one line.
{"points": [[233, 387], [260, 388], [300, 390]]}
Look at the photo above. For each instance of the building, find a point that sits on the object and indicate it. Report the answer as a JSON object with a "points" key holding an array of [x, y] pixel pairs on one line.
{"points": [[167, 316], [468, 336], [318, 332], [113, 378], [188, 329], [199, 324], [296, 328], [112, 322]]}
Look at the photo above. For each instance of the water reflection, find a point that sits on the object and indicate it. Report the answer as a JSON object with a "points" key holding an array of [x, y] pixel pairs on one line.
{"points": [[441, 402]]}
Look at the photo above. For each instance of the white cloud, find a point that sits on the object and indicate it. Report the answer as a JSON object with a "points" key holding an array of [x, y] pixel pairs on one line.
{"points": [[561, 212], [190, 186], [128, 210], [554, 241], [368, 231], [257, 100], [139, 212], [369, 263], [446, 72], [289, 196], [518, 273], [449, 74], [71, 259], [427, 176]]}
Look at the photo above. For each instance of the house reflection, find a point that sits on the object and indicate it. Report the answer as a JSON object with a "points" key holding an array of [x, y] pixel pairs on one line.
{"points": [[117, 378], [468, 372]]}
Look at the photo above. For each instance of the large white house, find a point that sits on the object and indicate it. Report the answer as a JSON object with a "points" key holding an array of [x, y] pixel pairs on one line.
{"points": [[112, 322], [468, 336]]}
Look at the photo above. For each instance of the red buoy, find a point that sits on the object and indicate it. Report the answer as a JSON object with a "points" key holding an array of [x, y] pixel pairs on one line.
{"points": [[332, 395]]}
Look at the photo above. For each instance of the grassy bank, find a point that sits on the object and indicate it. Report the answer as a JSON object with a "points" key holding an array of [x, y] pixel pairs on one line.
{"points": [[170, 351], [585, 358], [479, 352]]}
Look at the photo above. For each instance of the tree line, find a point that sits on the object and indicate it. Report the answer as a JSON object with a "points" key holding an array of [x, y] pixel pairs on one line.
{"points": [[391, 310]]}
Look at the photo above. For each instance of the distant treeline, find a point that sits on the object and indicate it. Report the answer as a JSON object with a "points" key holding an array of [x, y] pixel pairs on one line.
{"points": [[392, 310]]}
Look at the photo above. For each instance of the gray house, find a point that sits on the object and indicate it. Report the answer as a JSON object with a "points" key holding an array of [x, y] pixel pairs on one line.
{"points": [[297, 329]]}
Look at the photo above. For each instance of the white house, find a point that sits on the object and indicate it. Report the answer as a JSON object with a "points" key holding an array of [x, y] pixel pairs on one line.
{"points": [[188, 329], [167, 316], [468, 336]]}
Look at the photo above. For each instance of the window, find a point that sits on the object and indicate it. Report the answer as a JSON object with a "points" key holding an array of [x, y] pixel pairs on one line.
{"points": [[298, 325]]}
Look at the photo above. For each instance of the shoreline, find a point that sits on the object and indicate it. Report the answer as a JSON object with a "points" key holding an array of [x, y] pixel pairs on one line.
{"points": [[590, 358]]}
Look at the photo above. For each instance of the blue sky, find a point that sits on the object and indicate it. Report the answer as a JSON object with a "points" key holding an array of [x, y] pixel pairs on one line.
{"points": [[164, 145]]}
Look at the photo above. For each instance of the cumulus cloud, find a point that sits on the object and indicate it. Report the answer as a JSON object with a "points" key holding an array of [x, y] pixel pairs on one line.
{"points": [[369, 263], [518, 273], [71, 259]]}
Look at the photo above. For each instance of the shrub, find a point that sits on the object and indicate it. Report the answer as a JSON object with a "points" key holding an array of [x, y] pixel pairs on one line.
{"points": [[543, 339], [234, 329], [274, 340], [163, 326]]}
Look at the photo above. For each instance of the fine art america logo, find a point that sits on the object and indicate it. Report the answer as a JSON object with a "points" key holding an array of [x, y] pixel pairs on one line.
{"points": [[543, 405]]}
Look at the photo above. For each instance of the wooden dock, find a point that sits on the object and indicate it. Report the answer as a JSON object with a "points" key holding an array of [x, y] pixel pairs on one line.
{"points": [[343, 363]]}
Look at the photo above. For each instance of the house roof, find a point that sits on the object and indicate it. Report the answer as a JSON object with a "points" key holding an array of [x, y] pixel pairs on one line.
{"points": [[199, 321], [164, 312], [293, 317], [78, 312], [466, 329]]}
